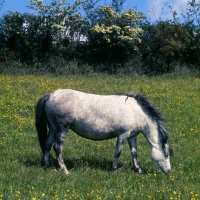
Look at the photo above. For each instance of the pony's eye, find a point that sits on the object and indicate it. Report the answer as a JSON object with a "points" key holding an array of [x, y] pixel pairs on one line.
{"points": [[166, 153]]}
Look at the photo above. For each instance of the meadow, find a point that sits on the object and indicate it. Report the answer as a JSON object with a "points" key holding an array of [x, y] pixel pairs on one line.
{"points": [[89, 162]]}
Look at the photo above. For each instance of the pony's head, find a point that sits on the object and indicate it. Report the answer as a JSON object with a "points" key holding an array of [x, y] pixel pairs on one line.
{"points": [[161, 149], [161, 158], [161, 155]]}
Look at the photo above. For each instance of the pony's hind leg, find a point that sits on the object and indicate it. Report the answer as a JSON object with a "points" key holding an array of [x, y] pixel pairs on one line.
{"points": [[133, 147], [46, 152], [60, 137]]}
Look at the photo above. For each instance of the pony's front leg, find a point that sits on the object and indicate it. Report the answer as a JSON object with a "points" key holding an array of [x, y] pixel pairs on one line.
{"points": [[58, 150], [133, 147], [118, 150]]}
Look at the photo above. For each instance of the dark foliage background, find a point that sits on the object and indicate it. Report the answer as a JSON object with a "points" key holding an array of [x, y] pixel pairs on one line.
{"points": [[57, 35]]}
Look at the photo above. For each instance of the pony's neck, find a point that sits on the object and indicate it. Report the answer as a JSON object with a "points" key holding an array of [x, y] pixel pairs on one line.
{"points": [[152, 136]]}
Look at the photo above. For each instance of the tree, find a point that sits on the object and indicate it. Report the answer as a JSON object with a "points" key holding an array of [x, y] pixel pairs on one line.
{"points": [[162, 44], [192, 25], [12, 33], [113, 37], [40, 36], [117, 5], [1, 3], [58, 19]]}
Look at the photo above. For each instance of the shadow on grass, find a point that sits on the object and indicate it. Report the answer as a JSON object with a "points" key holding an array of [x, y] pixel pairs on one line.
{"points": [[83, 163]]}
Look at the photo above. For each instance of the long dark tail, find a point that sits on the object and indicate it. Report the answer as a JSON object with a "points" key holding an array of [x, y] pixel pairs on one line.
{"points": [[41, 121]]}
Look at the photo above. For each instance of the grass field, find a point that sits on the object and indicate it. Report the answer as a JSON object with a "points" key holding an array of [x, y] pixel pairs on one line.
{"points": [[21, 176]]}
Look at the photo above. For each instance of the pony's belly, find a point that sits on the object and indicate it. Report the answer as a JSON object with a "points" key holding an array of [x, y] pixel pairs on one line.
{"points": [[94, 134]]}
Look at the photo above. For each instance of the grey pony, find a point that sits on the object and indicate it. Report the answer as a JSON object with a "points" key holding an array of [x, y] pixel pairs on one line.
{"points": [[101, 117]]}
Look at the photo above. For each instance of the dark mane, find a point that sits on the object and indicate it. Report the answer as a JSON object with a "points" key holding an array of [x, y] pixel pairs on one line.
{"points": [[153, 112]]}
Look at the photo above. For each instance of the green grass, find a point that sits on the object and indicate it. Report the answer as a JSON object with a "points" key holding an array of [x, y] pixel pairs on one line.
{"points": [[21, 176]]}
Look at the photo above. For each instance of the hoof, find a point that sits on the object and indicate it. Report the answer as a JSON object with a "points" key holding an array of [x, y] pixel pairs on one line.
{"points": [[139, 171], [47, 168], [66, 173], [113, 170]]}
